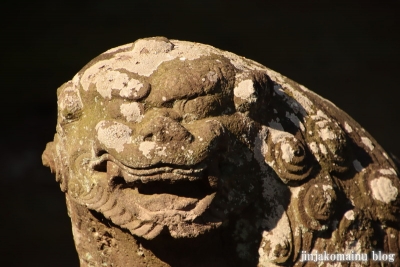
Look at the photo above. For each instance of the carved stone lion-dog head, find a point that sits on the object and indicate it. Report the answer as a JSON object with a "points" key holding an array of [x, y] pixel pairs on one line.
{"points": [[166, 135]]}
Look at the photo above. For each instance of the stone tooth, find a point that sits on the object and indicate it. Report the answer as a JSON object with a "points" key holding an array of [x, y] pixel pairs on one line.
{"points": [[143, 230], [109, 205], [124, 218], [202, 205], [154, 232], [132, 225], [115, 211]]}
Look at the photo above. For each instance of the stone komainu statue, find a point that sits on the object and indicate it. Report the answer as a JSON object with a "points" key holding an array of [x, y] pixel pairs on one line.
{"points": [[174, 153]]}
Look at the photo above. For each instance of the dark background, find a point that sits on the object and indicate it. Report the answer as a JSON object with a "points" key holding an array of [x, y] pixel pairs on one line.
{"points": [[345, 51]]}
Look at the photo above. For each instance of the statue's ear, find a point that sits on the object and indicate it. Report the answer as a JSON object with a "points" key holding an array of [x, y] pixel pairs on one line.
{"points": [[252, 92], [48, 157]]}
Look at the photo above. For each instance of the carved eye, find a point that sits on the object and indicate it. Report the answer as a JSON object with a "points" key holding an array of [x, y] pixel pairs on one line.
{"points": [[199, 107]]}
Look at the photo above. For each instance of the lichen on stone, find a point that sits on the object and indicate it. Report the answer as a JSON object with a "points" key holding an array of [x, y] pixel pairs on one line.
{"points": [[172, 138]]}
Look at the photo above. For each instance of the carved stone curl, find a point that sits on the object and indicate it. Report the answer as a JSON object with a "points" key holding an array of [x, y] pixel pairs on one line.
{"points": [[287, 156], [316, 205], [173, 153], [329, 143]]}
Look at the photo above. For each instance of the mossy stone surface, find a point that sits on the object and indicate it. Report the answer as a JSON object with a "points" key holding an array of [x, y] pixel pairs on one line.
{"points": [[174, 153]]}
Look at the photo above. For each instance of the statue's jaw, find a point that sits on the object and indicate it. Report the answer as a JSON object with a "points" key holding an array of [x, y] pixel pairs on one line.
{"points": [[147, 200]]}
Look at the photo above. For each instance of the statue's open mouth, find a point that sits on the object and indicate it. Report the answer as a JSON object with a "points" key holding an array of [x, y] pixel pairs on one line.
{"points": [[161, 187]]}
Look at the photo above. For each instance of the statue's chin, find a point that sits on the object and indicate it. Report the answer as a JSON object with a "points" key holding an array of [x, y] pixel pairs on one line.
{"points": [[182, 216]]}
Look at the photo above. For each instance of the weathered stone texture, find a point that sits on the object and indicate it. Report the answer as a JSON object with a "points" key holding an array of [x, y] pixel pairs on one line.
{"points": [[174, 153]]}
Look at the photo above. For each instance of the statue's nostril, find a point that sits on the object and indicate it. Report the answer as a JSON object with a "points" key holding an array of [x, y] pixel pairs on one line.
{"points": [[102, 167], [148, 137]]}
